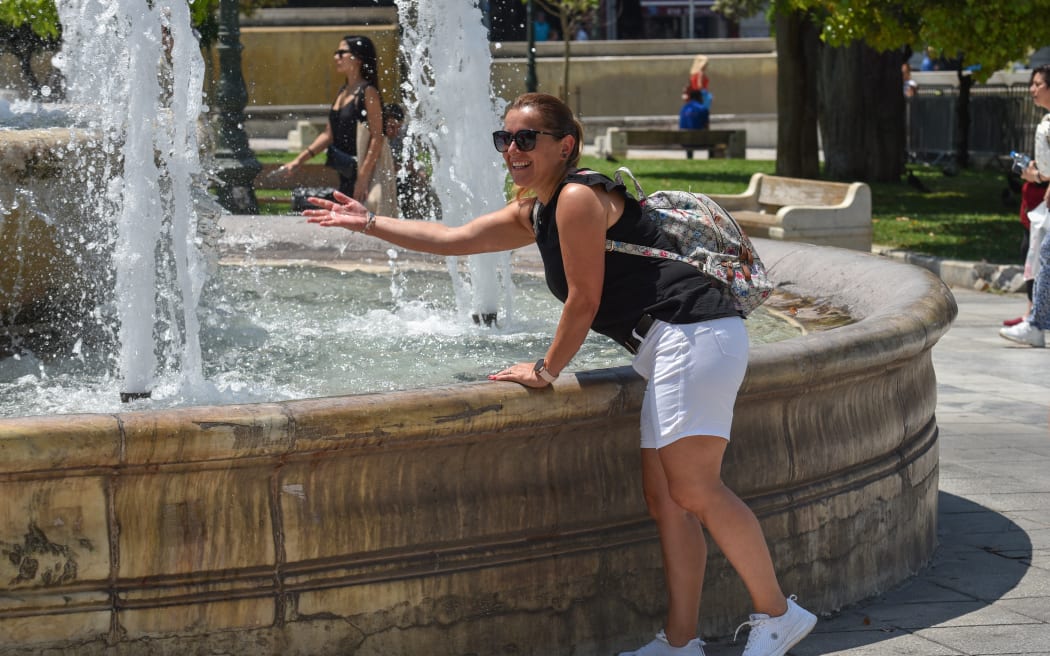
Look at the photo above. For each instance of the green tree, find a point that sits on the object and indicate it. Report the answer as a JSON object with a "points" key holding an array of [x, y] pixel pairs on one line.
{"points": [[982, 36], [798, 53], [32, 27], [857, 67], [29, 28], [205, 15], [571, 14]]}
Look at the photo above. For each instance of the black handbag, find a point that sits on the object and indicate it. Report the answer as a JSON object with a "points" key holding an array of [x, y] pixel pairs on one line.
{"points": [[300, 196], [343, 162]]}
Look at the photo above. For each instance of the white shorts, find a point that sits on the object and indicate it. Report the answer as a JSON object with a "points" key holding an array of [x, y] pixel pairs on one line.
{"points": [[694, 372]]}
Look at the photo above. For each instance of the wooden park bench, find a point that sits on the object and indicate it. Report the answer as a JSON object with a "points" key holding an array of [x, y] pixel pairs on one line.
{"points": [[718, 143], [307, 175], [796, 209]]}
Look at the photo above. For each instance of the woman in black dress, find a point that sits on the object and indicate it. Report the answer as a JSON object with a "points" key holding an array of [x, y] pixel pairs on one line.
{"points": [[359, 100]]}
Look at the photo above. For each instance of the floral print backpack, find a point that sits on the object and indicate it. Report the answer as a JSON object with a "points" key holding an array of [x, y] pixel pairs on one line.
{"points": [[705, 235]]}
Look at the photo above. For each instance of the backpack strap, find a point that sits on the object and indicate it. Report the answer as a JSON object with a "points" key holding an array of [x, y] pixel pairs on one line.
{"points": [[637, 249], [623, 170], [645, 251], [536, 207]]}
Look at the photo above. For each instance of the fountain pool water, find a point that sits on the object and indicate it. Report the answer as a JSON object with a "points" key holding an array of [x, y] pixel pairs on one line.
{"points": [[283, 332]]}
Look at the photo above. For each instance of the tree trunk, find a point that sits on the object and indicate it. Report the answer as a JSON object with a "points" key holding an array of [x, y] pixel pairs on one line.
{"points": [[862, 114], [25, 64], [962, 119], [798, 53], [566, 26]]}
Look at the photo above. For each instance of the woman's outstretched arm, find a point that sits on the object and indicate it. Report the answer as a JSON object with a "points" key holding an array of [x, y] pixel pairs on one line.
{"points": [[502, 230]]}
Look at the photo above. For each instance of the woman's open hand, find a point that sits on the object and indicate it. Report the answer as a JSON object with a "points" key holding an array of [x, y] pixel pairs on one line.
{"points": [[344, 212]]}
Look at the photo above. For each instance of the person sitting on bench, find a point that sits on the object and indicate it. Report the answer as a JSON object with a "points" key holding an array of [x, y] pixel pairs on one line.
{"points": [[696, 112]]}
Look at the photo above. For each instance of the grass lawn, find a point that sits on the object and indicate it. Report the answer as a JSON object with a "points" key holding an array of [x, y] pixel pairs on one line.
{"points": [[970, 216]]}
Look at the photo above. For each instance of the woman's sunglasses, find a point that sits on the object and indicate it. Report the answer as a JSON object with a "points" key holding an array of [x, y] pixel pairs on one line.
{"points": [[526, 139], [342, 52]]}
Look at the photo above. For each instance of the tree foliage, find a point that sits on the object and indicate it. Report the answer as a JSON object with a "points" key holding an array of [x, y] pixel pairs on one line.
{"points": [[29, 28], [39, 16], [989, 34], [983, 37], [32, 27], [735, 10], [205, 15]]}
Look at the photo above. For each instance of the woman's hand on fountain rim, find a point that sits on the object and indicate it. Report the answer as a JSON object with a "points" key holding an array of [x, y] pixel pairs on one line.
{"points": [[523, 373]]}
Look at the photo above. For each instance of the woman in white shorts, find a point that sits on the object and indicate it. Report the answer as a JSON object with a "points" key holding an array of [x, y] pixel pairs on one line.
{"points": [[689, 341]]}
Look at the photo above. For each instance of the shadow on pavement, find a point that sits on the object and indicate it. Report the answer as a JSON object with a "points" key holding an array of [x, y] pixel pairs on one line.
{"points": [[981, 555]]}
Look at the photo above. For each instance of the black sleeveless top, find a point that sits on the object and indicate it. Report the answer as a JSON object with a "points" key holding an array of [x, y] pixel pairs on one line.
{"points": [[675, 292], [344, 122]]}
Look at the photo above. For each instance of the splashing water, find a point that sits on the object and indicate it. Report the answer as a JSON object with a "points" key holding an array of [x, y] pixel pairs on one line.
{"points": [[448, 97], [135, 76]]}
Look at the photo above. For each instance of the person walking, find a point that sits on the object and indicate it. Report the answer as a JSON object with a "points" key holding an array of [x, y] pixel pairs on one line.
{"points": [[1029, 331], [359, 100], [688, 339]]}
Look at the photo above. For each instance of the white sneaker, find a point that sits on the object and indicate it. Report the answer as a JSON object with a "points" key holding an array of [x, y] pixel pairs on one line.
{"points": [[660, 647], [1024, 333], [773, 636]]}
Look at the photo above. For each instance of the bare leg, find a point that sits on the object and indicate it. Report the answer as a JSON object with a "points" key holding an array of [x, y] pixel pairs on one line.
{"points": [[684, 551], [693, 467]]}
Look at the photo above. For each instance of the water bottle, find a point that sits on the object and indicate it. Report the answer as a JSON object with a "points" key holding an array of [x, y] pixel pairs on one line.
{"points": [[1020, 162]]}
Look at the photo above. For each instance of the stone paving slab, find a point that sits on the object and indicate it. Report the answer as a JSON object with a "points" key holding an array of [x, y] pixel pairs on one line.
{"points": [[1035, 608], [871, 643], [993, 639], [966, 613]]}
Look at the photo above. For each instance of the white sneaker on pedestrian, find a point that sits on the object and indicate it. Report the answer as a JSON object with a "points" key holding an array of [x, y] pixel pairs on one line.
{"points": [[1024, 333], [773, 636], [660, 647]]}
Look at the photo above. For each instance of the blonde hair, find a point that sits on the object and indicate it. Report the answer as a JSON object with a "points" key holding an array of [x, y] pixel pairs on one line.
{"points": [[699, 65]]}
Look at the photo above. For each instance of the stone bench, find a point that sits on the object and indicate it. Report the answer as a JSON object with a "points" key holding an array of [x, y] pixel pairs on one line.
{"points": [[718, 143], [797, 209]]}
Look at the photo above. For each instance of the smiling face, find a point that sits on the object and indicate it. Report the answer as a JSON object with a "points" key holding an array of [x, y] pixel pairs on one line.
{"points": [[541, 168]]}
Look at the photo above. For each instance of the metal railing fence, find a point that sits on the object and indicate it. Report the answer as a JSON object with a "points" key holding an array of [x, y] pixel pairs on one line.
{"points": [[1002, 118]]}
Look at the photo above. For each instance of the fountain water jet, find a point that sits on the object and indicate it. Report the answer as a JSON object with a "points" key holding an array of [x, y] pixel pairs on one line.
{"points": [[454, 110], [150, 66], [139, 90]]}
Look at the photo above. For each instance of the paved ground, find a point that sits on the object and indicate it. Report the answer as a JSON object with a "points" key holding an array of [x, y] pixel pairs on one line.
{"points": [[987, 590]]}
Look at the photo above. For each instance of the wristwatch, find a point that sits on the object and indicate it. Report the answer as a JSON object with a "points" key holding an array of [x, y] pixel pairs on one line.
{"points": [[542, 371]]}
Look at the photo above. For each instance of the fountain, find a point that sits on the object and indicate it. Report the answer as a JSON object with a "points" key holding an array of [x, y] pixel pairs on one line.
{"points": [[460, 517]]}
